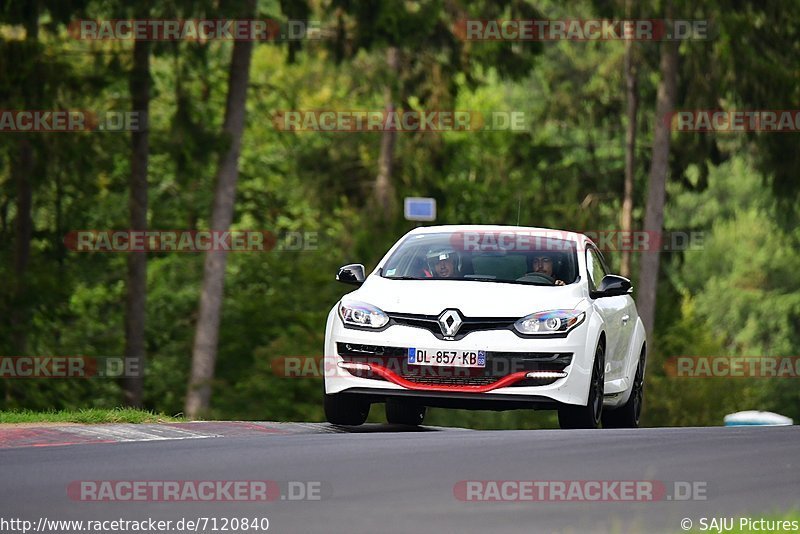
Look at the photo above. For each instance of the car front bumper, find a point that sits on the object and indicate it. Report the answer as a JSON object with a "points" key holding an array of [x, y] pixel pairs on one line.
{"points": [[387, 381]]}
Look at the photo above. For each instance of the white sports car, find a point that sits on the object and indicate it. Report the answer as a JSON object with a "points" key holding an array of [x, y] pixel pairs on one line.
{"points": [[486, 317]]}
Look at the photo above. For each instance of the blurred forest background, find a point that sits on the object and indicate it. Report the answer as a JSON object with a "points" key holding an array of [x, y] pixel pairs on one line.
{"points": [[739, 295]]}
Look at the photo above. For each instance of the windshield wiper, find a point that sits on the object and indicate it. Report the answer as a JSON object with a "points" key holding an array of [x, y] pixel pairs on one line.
{"points": [[495, 280]]}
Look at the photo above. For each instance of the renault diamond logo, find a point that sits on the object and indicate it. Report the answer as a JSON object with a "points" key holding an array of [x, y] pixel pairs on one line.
{"points": [[450, 321]]}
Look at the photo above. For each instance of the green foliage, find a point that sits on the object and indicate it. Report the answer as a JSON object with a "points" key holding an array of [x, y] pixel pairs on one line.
{"points": [[737, 296], [743, 282], [685, 401], [745, 275], [91, 416]]}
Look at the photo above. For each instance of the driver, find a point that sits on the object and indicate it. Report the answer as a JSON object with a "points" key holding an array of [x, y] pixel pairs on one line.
{"points": [[542, 263], [442, 263]]}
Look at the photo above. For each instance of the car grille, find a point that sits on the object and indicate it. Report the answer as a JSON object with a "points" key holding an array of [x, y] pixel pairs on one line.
{"points": [[470, 324], [498, 365], [355, 350], [452, 380]]}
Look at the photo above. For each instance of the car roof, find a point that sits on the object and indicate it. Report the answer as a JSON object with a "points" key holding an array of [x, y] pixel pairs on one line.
{"points": [[496, 228]]}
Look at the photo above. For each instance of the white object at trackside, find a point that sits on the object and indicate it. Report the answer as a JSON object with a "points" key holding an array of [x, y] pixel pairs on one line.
{"points": [[757, 418]]}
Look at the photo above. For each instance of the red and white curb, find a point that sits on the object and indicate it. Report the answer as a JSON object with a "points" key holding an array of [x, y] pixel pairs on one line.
{"points": [[52, 436], [59, 435]]}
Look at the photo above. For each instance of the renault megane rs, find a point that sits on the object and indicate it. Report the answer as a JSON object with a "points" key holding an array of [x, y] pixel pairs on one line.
{"points": [[486, 317]]}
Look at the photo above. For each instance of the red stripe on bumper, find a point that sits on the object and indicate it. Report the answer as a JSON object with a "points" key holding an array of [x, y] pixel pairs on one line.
{"points": [[400, 381]]}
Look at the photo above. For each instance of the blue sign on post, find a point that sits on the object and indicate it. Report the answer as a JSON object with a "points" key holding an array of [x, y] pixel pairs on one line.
{"points": [[420, 209]]}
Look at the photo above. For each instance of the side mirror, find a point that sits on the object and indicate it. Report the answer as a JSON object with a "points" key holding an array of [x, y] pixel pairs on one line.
{"points": [[351, 274], [613, 286]]}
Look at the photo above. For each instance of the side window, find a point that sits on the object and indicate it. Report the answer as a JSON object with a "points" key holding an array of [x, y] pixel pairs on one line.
{"points": [[595, 267]]}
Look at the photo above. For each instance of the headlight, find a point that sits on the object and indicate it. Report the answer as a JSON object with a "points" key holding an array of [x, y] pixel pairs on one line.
{"points": [[550, 322], [361, 314]]}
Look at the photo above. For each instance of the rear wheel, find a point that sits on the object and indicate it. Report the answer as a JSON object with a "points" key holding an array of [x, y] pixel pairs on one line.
{"points": [[589, 416], [628, 415], [344, 409], [404, 413]]}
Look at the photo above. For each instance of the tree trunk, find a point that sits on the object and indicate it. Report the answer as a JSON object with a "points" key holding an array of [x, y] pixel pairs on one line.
{"points": [[23, 169], [204, 354], [135, 304], [384, 188], [632, 101], [656, 192]]}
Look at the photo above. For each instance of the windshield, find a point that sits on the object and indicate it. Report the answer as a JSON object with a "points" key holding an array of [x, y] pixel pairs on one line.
{"points": [[490, 257]]}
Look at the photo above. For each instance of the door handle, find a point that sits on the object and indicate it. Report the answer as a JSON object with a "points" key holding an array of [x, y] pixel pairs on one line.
{"points": [[625, 319]]}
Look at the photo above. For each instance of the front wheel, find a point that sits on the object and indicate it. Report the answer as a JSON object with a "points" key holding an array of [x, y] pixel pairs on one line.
{"points": [[344, 409], [589, 416], [629, 414]]}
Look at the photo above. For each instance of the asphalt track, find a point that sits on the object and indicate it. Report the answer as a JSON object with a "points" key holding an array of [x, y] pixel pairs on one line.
{"points": [[385, 479]]}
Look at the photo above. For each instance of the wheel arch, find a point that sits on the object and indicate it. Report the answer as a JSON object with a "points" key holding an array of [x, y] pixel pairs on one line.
{"points": [[601, 339]]}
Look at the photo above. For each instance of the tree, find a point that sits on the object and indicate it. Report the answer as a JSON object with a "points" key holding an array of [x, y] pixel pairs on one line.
{"points": [[384, 190], [24, 167], [632, 105], [136, 301], [656, 191], [423, 51], [204, 353]]}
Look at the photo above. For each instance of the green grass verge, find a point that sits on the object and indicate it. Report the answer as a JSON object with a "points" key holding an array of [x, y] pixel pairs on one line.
{"points": [[92, 415]]}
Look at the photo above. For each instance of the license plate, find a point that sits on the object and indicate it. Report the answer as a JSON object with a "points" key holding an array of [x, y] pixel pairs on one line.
{"points": [[448, 358]]}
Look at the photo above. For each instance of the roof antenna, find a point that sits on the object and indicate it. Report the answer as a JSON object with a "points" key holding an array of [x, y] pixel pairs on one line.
{"points": [[519, 206]]}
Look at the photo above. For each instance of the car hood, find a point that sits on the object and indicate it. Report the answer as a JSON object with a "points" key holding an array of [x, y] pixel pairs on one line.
{"points": [[471, 298]]}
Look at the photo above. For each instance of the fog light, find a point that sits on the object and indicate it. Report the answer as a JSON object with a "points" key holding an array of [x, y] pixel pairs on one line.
{"points": [[355, 366], [546, 374]]}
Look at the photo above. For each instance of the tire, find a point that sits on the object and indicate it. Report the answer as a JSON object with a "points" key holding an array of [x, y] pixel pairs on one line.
{"points": [[590, 415], [343, 409], [629, 414], [404, 413]]}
